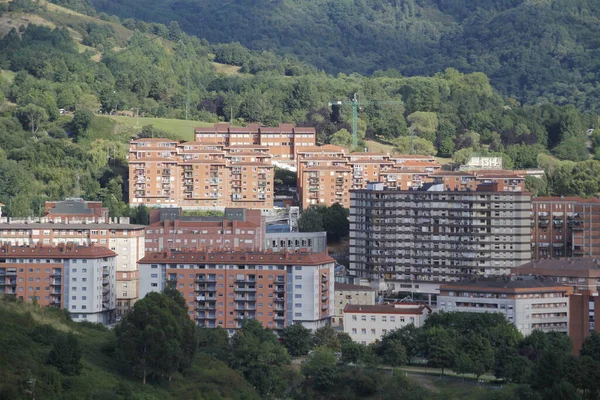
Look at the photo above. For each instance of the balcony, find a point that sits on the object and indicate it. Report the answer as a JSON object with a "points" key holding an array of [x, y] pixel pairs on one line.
{"points": [[279, 289], [279, 318], [245, 289], [244, 279], [279, 299], [56, 282], [200, 279]]}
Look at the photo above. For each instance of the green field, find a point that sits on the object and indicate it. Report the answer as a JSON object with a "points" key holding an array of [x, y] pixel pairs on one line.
{"points": [[181, 128]]}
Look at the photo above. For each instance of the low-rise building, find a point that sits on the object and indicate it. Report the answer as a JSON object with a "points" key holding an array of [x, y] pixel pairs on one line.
{"points": [[80, 279], [294, 241], [582, 274], [528, 303], [224, 288], [350, 294], [76, 209], [365, 324]]}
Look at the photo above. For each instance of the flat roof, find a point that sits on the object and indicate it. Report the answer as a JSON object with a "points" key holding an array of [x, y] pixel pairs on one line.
{"points": [[505, 285], [350, 287], [386, 309]]}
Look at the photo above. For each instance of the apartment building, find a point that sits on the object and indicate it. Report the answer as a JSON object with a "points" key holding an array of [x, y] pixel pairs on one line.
{"points": [[284, 140], [581, 274], [76, 209], [565, 227], [367, 323], [414, 240], [528, 303], [80, 279], [367, 167], [237, 229], [315, 242], [224, 288], [198, 175], [346, 293], [584, 310], [118, 235], [507, 181], [404, 179]]}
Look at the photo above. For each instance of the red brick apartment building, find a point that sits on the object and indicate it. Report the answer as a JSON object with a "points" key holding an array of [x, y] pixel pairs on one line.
{"points": [[80, 279], [283, 141], [76, 209], [238, 229], [508, 181], [199, 175], [565, 227], [224, 288]]}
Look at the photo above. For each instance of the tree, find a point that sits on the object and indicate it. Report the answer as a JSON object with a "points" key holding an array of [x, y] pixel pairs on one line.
{"points": [[342, 138], [591, 346], [214, 341], [321, 368], [310, 220], [326, 336], [154, 338], [82, 120], [423, 124], [297, 339], [440, 348], [34, 115], [462, 156], [479, 353], [65, 354], [260, 358], [403, 145], [395, 353], [335, 221]]}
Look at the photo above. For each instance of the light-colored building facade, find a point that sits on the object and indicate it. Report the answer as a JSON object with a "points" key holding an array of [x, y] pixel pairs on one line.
{"points": [[283, 141], [80, 279], [224, 288], [294, 241], [365, 324], [127, 240], [414, 240], [198, 175], [527, 303], [350, 294]]}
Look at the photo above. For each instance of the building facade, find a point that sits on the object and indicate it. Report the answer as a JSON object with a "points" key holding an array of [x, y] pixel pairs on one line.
{"points": [[584, 310], [224, 288], [365, 324], [350, 294], [163, 172], [127, 240], [529, 304], [414, 240], [582, 274], [293, 241], [77, 210], [284, 140], [237, 229], [80, 279]]}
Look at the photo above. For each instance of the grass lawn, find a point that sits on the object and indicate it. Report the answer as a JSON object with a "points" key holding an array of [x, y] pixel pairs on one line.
{"points": [[181, 128], [448, 372]]}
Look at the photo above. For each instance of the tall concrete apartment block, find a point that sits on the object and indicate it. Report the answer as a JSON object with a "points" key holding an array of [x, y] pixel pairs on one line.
{"points": [[565, 227], [163, 172], [80, 279], [222, 289], [127, 240], [415, 240], [283, 141]]}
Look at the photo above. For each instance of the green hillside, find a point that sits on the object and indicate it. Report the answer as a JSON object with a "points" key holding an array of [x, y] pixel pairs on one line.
{"points": [[180, 128], [27, 334], [535, 51]]}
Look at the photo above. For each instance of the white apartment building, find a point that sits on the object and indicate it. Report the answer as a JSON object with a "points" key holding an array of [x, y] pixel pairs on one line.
{"points": [[127, 240], [365, 324], [528, 303], [350, 294]]}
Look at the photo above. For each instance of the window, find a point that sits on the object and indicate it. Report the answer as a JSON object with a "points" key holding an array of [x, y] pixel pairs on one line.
{"points": [[363, 331], [372, 331], [373, 318], [154, 284], [354, 331], [153, 275], [354, 318], [384, 318], [363, 318], [298, 305]]}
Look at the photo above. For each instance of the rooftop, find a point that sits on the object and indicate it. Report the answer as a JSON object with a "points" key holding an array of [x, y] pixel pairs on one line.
{"points": [[237, 257], [68, 250], [562, 267], [505, 285], [350, 287], [399, 308], [65, 226]]}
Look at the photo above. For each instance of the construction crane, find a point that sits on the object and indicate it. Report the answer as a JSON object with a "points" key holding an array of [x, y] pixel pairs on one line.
{"points": [[355, 105]]}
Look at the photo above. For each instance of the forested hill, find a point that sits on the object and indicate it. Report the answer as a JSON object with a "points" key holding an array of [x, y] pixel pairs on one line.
{"points": [[533, 50]]}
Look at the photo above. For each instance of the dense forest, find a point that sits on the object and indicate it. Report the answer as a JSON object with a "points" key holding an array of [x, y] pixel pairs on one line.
{"points": [[535, 51], [93, 66]]}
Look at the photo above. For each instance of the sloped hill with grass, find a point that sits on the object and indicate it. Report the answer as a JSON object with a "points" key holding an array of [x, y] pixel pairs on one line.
{"points": [[28, 334]]}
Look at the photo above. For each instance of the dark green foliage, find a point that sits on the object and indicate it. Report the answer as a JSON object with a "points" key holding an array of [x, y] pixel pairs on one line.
{"points": [[332, 219], [158, 337], [260, 358], [214, 341], [297, 339], [65, 354], [82, 119], [321, 368]]}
